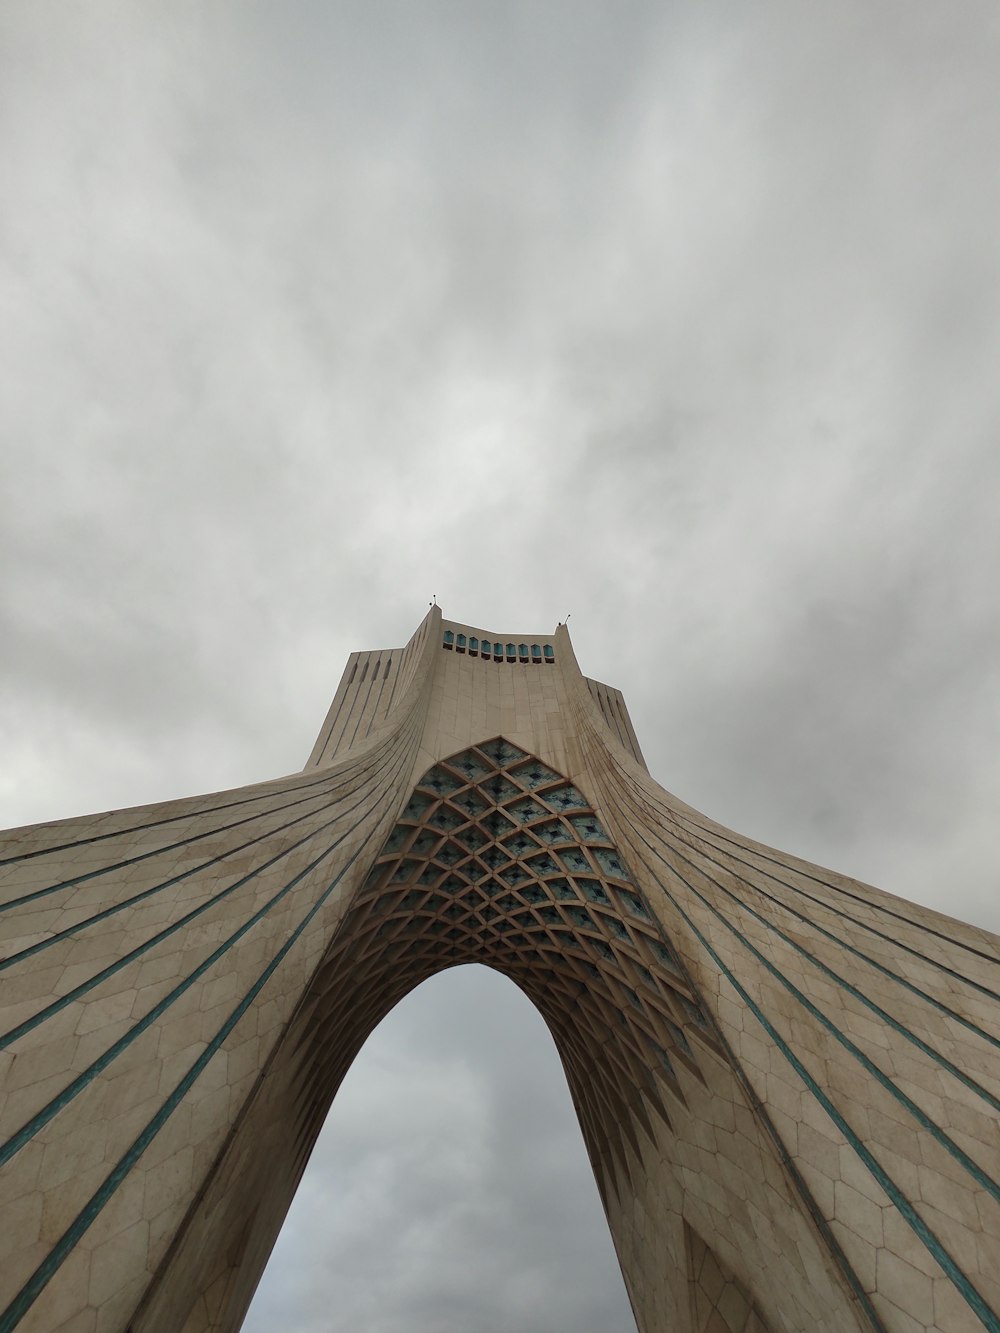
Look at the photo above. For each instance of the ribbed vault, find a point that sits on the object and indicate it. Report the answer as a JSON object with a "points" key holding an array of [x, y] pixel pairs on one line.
{"points": [[498, 859]]}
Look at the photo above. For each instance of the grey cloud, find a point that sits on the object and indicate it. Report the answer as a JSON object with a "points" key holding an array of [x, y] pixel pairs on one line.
{"points": [[421, 1232], [682, 319]]}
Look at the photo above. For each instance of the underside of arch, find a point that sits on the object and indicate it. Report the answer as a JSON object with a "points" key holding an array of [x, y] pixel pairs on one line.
{"points": [[498, 859]]}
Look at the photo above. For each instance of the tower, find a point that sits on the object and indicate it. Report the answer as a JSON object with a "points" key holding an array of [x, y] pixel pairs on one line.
{"points": [[787, 1081]]}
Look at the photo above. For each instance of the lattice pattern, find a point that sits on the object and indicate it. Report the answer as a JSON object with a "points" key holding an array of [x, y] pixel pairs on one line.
{"points": [[497, 859]]}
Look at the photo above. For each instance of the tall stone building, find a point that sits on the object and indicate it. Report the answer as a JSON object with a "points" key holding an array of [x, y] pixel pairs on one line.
{"points": [[788, 1082]]}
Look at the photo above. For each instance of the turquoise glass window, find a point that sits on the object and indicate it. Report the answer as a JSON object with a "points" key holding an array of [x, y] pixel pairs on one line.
{"points": [[473, 645], [511, 650], [536, 652], [461, 641], [486, 646], [523, 650], [448, 636], [547, 650]]}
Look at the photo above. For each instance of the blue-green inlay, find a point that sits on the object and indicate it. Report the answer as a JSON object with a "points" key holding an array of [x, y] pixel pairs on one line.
{"points": [[851, 989], [920, 1228], [859, 953], [76, 880], [154, 823], [874, 906], [112, 910], [51, 1264], [922, 1118], [27, 1131], [866, 926], [57, 1005]]}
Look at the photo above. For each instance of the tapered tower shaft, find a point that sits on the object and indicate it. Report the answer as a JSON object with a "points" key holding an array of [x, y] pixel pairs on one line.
{"points": [[787, 1081]]}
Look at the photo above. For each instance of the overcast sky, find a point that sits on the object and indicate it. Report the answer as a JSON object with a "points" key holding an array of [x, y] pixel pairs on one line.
{"points": [[682, 318]]}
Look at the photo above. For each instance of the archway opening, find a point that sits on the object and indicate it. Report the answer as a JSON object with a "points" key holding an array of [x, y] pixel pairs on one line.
{"points": [[450, 1186]]}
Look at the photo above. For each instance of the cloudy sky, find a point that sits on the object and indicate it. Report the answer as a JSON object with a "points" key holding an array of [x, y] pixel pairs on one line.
{"points": [[682, 318]]}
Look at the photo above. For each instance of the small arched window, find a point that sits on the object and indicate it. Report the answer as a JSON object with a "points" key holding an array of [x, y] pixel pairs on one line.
{"points": [[473, 644], [549, 654], [449, 638], [511, 650], [487, 647], [536, 653], [460, 643], [522, 649]]}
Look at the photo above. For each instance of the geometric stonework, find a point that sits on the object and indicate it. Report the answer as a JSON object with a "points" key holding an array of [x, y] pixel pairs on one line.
{"points": [[719, 1301], [499, 860], [788, 1082]]}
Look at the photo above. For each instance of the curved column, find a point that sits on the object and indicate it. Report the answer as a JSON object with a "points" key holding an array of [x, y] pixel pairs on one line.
{"points": [[152, 960], [864, 1032]]}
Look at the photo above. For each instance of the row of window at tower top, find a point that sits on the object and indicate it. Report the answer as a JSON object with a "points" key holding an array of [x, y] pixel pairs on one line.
{"points": [[513, 652]]}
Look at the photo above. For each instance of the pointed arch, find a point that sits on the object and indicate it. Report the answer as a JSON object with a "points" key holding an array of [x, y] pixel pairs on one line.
{"points": [[498, 859]]}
